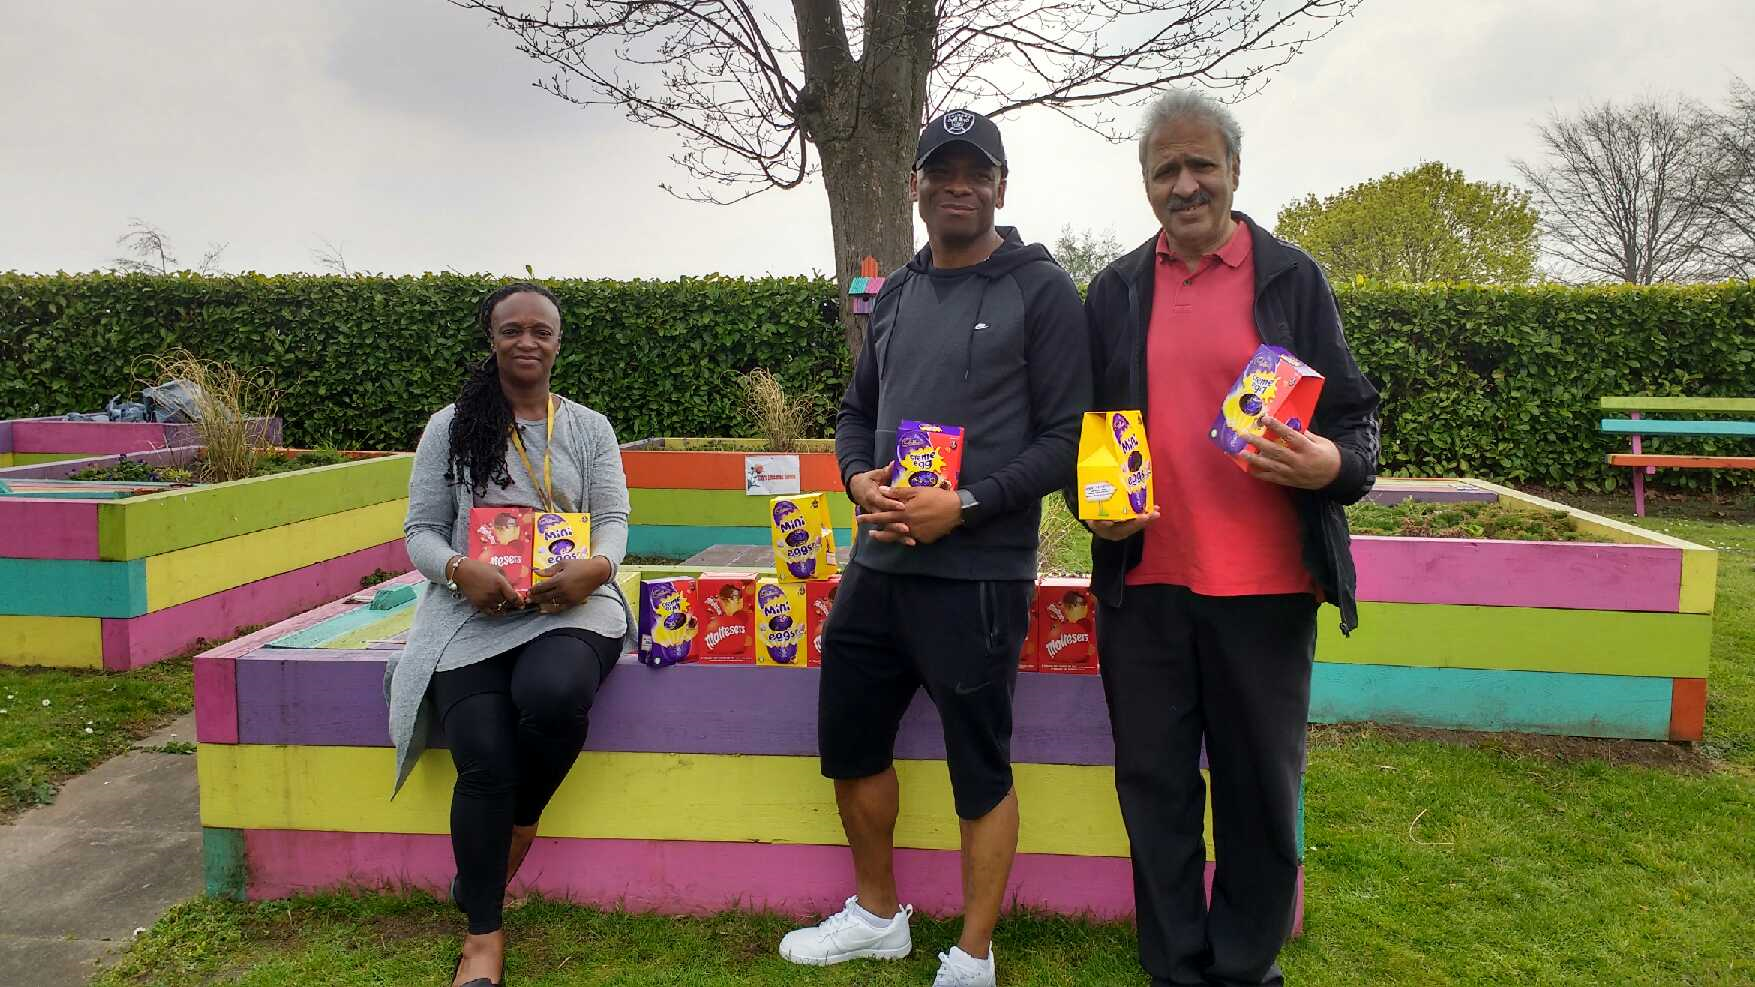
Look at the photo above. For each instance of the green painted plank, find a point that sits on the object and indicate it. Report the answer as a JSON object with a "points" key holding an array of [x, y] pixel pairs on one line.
{"points": [[344, 625], [224, 866], [683, 541], [1490, 700], [676, 506], [39, 458], [1663, 426], [1722, 405], [177, 519], [1594, 642], [72, 588]]}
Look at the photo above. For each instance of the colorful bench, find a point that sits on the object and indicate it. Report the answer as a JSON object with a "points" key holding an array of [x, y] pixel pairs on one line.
{"points": [[1637, 427], [33, 441], [698, 790]]}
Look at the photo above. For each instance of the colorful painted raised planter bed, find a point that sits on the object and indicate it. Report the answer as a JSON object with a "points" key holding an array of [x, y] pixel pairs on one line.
{"points": [[1606, 637], [698, 791], [31, 441], [688, 494], [118, 582]]}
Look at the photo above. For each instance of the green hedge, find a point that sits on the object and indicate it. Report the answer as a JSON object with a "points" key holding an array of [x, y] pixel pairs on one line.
{"points": [[1490, 381], [361, 362]]}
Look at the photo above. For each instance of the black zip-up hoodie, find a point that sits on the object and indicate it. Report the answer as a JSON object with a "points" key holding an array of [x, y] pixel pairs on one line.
{"points": [[1294, 308], [999, 348]]}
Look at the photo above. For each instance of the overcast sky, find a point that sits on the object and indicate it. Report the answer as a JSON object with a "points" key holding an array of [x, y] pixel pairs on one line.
{"points": [[407, 132]]}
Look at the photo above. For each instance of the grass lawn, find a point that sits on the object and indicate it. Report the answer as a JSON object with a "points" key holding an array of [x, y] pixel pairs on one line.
{"points": [[56, 723], [1431, 859]]}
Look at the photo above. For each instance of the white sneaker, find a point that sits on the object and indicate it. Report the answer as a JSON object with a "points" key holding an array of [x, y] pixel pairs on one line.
{"points": [[847, 936], [958, 969]]}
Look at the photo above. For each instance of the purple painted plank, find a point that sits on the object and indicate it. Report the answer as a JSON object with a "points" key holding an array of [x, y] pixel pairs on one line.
{"points": [[335, 698], [1390, 490], [1561, 575], [48, 529], [6, 435], [67, 467]]}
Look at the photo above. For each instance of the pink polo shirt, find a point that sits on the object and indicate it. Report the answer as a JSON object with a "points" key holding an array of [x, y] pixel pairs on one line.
{"points": [[1221, 531]]}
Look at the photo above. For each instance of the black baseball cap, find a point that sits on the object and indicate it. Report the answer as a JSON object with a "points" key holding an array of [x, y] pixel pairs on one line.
{"points": [[964, 126]]}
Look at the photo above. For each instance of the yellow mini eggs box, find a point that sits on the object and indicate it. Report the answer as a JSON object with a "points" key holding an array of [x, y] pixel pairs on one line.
{"points": [[1115, 467], [560, 537], [804, 542], [780, 623]]}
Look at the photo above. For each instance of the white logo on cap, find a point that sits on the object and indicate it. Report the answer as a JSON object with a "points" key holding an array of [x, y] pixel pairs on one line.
{"points": [[959, 121]]}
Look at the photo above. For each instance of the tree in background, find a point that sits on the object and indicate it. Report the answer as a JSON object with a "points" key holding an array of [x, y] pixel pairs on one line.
{"points": [[1729, 192], [1623, 192], [749, 91], [148, 251], [1083, 254], [1428, 223]]}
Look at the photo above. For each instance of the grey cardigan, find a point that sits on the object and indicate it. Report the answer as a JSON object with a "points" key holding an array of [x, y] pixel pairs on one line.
{"points": [[438, 528]]}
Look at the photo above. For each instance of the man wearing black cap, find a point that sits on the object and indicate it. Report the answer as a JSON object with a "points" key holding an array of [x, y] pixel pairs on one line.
{"points": [[982, 332]]}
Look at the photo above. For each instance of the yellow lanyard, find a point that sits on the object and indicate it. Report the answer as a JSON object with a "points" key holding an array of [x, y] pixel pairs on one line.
{"points": [[548, 488]]}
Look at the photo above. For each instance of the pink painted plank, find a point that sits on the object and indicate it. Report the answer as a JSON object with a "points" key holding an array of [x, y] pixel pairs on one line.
{"points": [[6, 435], [216, 699], [48, 529], [48, 435], [135, 641], [686, 878], [1563, 575]]}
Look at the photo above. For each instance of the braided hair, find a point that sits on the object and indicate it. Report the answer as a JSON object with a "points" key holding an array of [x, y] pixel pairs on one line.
{"points": [[484, 415]]}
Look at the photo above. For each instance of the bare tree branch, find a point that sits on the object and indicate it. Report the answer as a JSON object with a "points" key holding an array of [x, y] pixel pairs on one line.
{"points": [[1621, 192]]}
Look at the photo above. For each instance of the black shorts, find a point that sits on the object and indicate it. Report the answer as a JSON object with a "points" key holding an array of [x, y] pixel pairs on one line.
{"points": [[888, 636]]}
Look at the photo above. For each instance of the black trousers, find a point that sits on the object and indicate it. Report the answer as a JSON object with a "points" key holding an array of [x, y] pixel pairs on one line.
{"points": [[515, 724], [1178, 666]]}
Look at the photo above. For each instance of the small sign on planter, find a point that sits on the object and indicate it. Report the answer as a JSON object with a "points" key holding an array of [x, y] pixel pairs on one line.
{"points": [[770, 475]]}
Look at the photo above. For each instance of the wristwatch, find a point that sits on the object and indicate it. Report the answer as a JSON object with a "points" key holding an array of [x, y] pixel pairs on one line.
{"points": [[971, 506]]}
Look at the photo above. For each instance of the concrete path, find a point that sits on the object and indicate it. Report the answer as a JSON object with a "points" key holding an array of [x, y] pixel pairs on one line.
{"points": [[119, 845]]}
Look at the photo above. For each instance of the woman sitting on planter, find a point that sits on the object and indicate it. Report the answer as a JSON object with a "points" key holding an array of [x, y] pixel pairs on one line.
{"points": [[510, 678]]}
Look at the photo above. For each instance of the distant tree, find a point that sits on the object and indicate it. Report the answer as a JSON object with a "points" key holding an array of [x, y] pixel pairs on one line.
{"points": [[1084, 253], [1729, 191], [1428, 223], [330, 257], [148, 251], [1623, 191]]}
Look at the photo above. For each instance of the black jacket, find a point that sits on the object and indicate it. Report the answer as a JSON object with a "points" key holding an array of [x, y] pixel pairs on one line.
{"points": [[1294, 308], [999, 349]]}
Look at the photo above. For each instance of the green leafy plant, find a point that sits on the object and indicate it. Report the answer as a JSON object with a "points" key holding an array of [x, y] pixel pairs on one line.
{"points": [[1421, 519]]}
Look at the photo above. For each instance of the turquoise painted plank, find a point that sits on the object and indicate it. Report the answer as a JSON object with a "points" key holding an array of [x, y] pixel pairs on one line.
{"points": [[319, 634], [1564, 704], [72, 588], [684, 540], [1658, 426]]}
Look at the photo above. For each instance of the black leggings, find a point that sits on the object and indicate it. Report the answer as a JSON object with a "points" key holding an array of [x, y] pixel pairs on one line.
{"points": [[515, 724]]}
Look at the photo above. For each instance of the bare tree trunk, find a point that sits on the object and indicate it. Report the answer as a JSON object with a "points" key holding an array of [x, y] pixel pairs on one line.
{"points": [[869, 214]]}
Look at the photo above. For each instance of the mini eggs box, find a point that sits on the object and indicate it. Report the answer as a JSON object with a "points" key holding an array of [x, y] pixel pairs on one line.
{"points": [[781, 623], [804, 541], [1115, 467], [1273, 382], [502, 537], [560, 537], [927, 455], [668, 620]]}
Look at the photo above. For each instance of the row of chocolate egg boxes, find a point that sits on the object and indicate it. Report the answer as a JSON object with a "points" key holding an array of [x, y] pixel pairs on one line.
{"points": [[739, 618]]}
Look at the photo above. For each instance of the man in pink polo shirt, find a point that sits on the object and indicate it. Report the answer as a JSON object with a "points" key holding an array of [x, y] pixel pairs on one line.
{"points": [[1207, 622]]}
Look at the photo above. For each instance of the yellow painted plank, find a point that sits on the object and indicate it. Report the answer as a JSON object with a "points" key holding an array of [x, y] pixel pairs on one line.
{"points": [[1699, 592], [5, 460], [57, 642], [724, 798], [192, 573]]}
